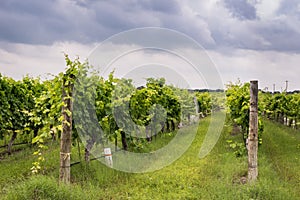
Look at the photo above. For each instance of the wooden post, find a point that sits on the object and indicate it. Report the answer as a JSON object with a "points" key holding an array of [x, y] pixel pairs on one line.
{"points": [[253, 133], [66, 136]]}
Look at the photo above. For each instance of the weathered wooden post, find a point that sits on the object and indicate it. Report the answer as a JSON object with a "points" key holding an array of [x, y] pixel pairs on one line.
{"points": [[66, 136], [253, 133]]}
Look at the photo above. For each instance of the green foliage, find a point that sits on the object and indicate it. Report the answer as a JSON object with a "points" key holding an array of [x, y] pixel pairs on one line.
{"points": [[17, 101], [113, 95], [238, 147], [282, 107], [204, 102], [155, 93], [238, 104], [31, 106], [188, 105], [37, 165]]}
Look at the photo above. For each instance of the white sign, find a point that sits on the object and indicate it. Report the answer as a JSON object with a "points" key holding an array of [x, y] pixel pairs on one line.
{"points": [[108, 157]]}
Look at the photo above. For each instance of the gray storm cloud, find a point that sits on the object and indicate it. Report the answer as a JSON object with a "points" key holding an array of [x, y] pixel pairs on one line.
{"points": [[230, 23], [227, 28]]}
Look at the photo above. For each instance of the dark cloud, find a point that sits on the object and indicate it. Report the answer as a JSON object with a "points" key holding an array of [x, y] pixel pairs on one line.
{"points": [[44, 22], [39, 22], [278, 31], [241, 9], [280, 35], [271, 35], [166, 6], [88, 21]]}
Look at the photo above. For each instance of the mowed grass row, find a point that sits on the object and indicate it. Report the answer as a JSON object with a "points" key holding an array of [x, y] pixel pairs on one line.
{"points": [[281, 146], [217, 176]]}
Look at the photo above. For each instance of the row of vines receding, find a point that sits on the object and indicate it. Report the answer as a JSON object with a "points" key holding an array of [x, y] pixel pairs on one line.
{"points": [[105, 110]]}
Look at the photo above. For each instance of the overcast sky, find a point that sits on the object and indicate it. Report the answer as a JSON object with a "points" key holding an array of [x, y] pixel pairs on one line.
{"points": [[245, 39]]}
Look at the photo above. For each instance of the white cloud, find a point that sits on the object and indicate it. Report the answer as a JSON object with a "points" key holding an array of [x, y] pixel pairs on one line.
{"points": [[266, 9], [269, 67], [17, 60]]}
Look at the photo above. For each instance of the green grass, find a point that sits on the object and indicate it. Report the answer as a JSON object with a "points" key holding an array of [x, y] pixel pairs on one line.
{"points": [[281, 146], [217, 176]]}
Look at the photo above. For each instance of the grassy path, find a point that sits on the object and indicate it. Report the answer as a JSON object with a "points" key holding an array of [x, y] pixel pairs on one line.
{"points": [[217, 176], [282, 148]]}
